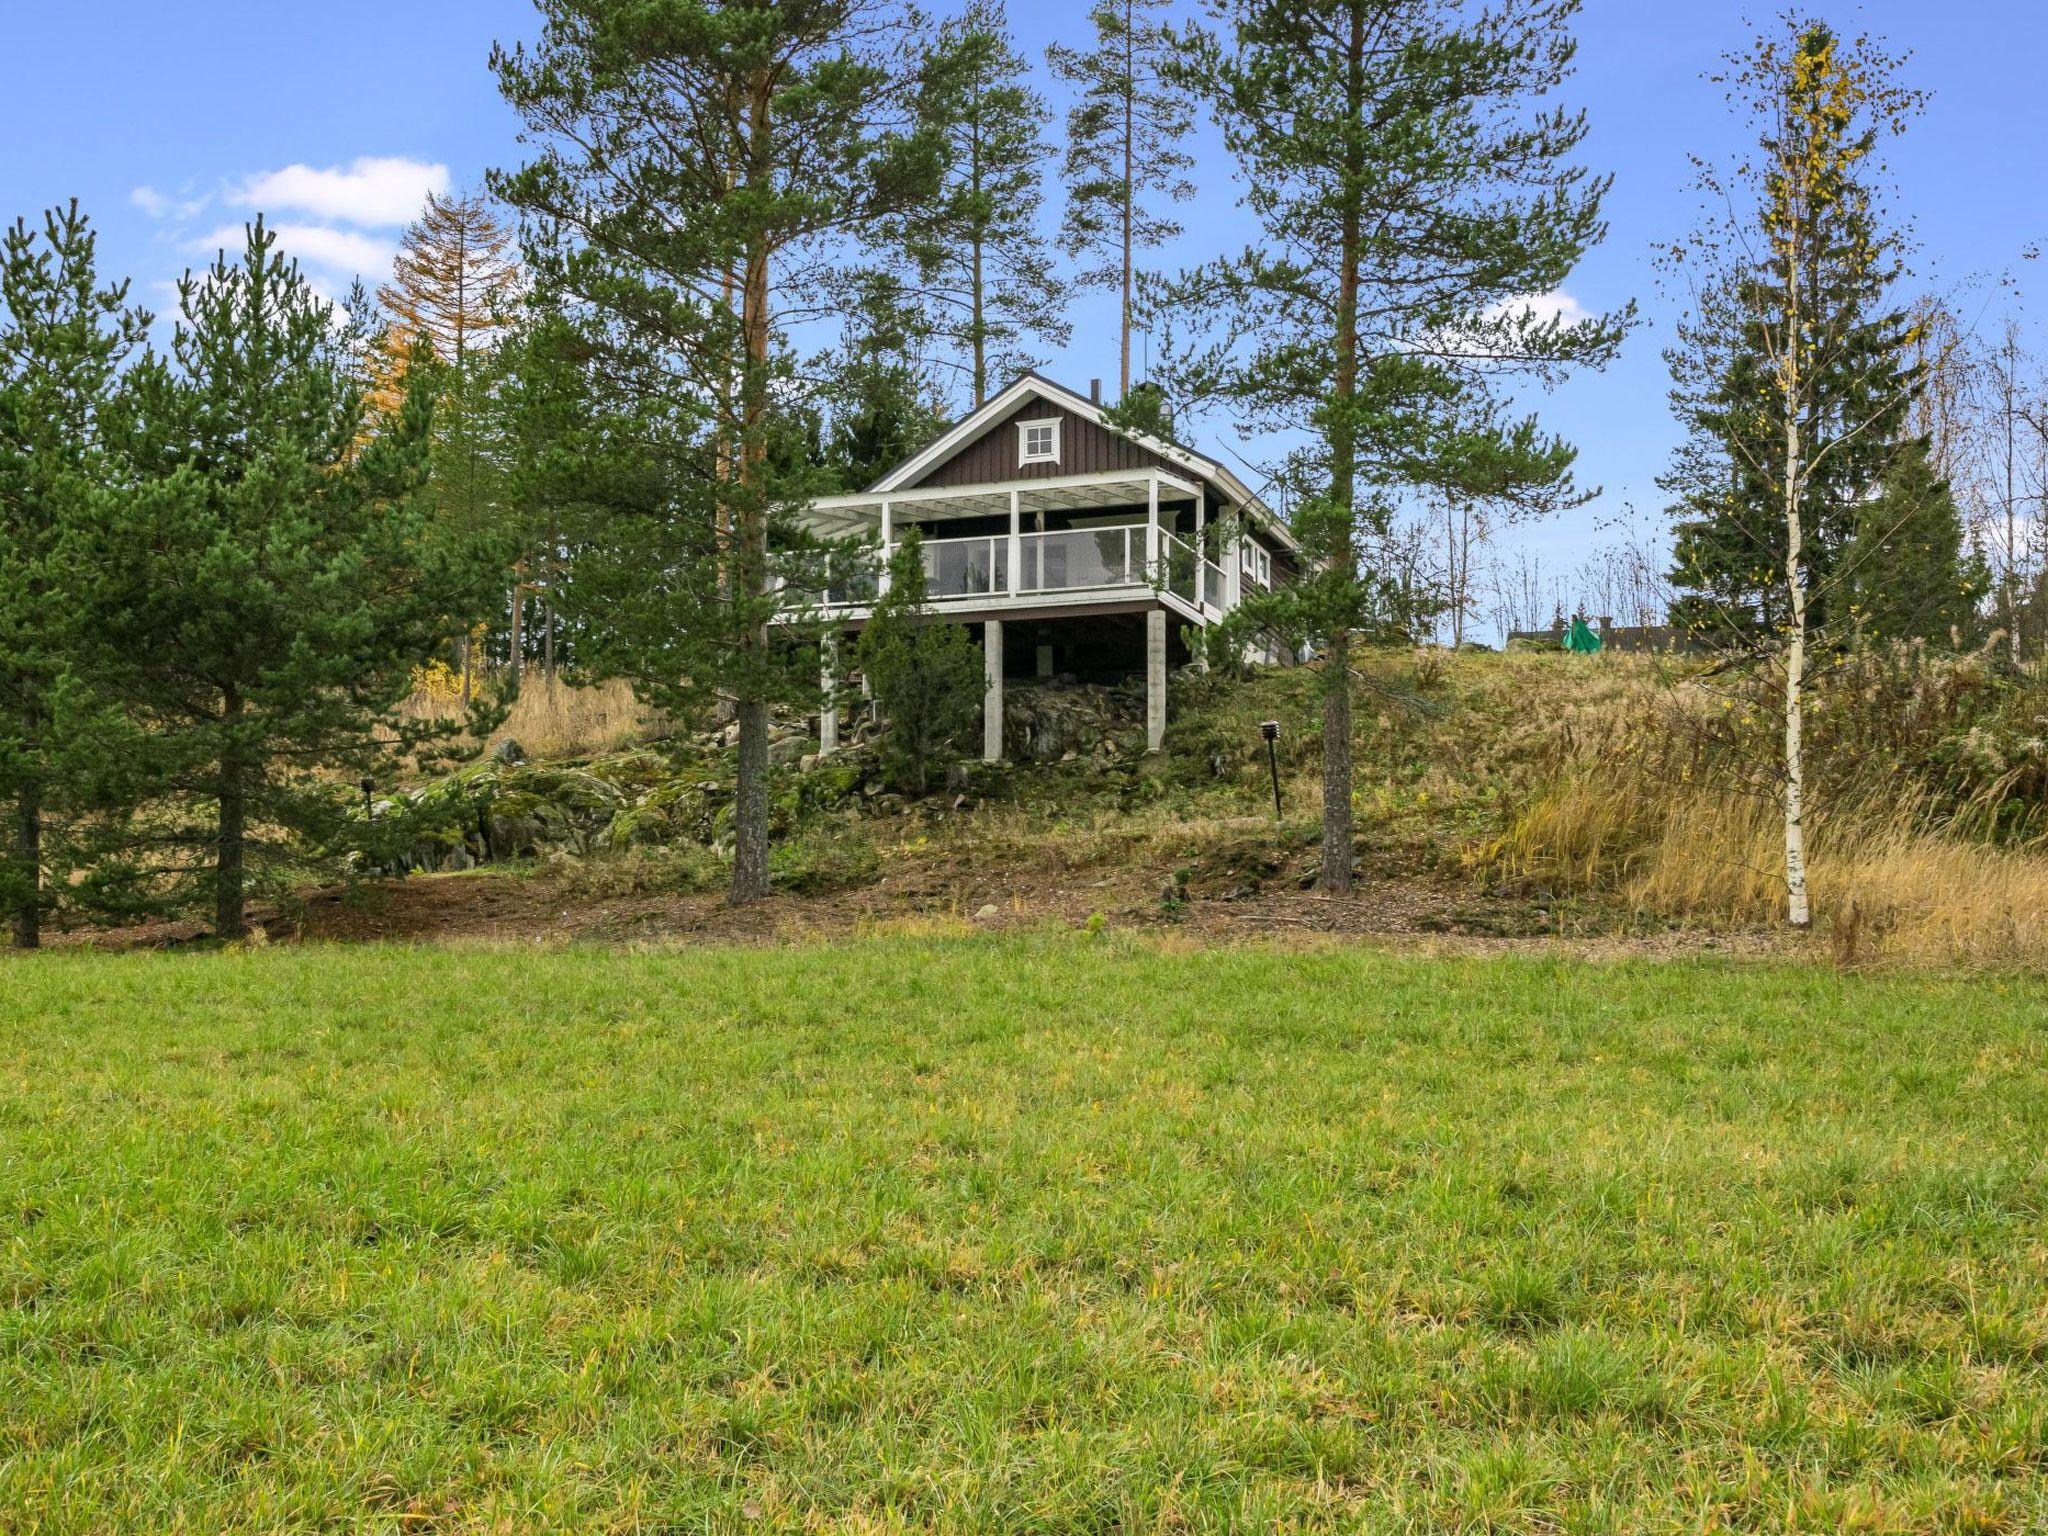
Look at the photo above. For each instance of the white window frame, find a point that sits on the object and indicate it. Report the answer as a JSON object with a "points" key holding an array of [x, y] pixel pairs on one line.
{"points": [[1024, 431], [1257, 563]]}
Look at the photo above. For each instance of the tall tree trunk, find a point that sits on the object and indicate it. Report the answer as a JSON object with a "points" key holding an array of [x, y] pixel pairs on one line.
{"points": [[1338, 818], [230, 919], [1795, 705], [980, 328], [28, 850], [1130, 192], [515, 663], [1338, 821], [2012, 499], [1792, 375], [750, 555]]}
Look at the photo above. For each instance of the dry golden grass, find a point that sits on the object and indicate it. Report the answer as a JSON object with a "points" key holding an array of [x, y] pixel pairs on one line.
{"points": [[556, 719], [1883, 886]]}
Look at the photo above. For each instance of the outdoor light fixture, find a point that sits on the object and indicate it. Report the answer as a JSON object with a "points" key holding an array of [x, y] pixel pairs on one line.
{"points": [[1270, 729], [369, 786]]}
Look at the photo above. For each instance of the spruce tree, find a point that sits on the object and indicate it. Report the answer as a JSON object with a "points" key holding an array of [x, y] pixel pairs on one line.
{"points": [[1125, 150], [1909, 573], [704, 172], [64, 336], [985, 273], [1412, 192], [264, 587], [1729, 518], [925, 674]]}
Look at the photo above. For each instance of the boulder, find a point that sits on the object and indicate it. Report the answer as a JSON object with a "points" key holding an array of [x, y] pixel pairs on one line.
{"points": [[1062, 721]]}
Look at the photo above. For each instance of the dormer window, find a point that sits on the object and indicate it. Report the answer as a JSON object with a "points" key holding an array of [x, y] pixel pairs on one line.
{"points": [[1038, 442]]}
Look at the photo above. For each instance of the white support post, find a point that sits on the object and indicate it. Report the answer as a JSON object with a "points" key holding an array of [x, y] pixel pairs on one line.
{"points": [[828, 716], [1233, 563], [1016, 543], [1155, 679], [992, 697], [1201, 555], [1152, 572], [888, 533]]}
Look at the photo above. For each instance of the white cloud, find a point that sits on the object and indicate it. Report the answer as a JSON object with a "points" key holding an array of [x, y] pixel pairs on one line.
{"points": [[164, 205], [340, 251], [1544, 308], [375, 192]]}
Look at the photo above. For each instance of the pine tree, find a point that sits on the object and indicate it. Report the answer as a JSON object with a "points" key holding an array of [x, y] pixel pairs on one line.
{"points": [[883, 403], [1412, 195], [925, 674], [1125, 151], [63, 340], [1909, 572], [710, 170], [985, 273], [263, 588]]}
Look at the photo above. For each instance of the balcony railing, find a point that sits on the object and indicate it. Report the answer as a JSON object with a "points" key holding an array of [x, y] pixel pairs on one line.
{"points": [[1075, 559], [1069, 560]]}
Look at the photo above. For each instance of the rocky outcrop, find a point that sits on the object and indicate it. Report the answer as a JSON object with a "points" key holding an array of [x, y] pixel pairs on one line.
{"points": [[506, 807], [1055, 722]]}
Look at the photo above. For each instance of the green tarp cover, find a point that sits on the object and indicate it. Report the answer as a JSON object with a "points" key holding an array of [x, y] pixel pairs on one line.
{"points": [[1581, 639]]}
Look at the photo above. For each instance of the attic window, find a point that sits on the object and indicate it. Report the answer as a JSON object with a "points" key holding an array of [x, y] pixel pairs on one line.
{"points": [[1038, 442]]}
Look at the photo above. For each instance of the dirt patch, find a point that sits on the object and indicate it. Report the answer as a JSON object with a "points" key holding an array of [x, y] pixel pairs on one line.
{"points": [[1244, 888]]}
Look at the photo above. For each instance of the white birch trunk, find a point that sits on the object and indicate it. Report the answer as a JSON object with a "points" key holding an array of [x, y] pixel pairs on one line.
{"points": [[1797, 910]]}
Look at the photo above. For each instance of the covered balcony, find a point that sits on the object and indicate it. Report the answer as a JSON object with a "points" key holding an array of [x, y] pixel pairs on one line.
{"points": [[1082, 540]]}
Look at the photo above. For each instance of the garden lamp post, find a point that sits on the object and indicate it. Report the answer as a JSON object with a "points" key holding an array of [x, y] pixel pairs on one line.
{"points": [[1270, 729]]}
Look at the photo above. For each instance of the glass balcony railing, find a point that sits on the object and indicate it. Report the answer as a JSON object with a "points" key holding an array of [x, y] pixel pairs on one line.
{"points": [[1079, 558], [966, 567], [1070, 560]]}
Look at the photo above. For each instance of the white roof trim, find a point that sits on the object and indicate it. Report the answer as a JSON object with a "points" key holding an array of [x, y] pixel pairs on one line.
{"points": [[1002, 488], [974, 423]]}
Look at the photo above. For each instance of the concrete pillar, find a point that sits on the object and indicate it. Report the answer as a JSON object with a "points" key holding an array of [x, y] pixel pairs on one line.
{"points": [[992, 697], [1155, 679], [828, 716], [1044, 663]]}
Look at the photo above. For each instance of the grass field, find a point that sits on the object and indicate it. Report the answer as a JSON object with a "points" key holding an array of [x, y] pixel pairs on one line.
{"points": [[1051, 1234]]}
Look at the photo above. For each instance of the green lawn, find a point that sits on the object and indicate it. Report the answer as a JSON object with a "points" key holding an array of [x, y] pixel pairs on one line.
{"points": [[1048, 1234]]}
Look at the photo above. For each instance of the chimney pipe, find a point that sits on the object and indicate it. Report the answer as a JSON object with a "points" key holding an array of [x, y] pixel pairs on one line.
{"points": [[1095, 391]]}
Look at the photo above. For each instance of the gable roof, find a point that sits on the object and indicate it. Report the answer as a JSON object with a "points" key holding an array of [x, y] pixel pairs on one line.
{"points": [[1027, 387]]}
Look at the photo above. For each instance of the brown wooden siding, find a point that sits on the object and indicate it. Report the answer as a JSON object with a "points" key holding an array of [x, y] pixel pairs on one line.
{"points": [[1085, 449]]}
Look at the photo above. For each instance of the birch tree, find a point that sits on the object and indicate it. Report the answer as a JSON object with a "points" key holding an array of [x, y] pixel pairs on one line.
{"points": [[1126, 152], [1796, 263]]}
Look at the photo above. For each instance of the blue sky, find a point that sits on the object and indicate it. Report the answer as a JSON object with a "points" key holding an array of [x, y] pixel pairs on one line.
{"points": [[171, 123]]}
